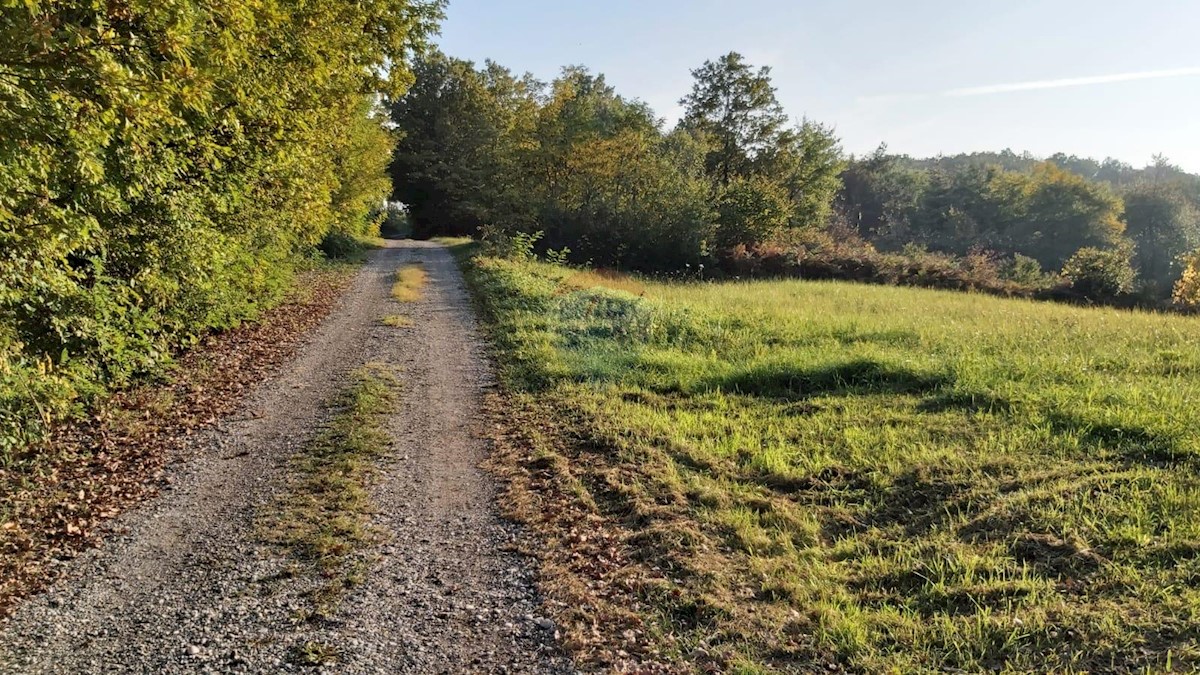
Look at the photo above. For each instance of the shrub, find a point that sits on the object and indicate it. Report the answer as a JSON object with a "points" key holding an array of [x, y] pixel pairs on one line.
{"points": [[1026, 271], [341, 246], [1187, 289], [511, 245], [1100, 274]]}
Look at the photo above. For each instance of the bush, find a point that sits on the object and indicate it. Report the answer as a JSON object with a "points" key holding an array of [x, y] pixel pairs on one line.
{"points": [[842, 255], [164, 166], [1026, 271], [1100, 274], [1187, 289], [501, 243], [342, 246]]}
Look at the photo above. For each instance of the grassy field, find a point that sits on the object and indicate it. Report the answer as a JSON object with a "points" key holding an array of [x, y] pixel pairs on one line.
{"points": [[783, 476]]}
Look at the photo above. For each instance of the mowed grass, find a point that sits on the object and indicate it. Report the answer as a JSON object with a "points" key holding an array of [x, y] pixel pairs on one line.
{"points": [[410, 281], [822, 476]]}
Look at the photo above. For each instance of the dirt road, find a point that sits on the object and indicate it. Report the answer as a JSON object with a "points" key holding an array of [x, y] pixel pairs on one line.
{"points": [[187, 584]]}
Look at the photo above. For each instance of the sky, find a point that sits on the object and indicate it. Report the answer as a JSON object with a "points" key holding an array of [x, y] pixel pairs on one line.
{"points": [[1098, 78]]}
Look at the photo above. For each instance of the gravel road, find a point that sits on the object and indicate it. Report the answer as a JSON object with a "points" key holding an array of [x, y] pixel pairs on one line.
{"points": [[186, 584]]}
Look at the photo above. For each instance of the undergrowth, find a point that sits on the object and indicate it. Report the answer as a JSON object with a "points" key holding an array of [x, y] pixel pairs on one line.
{"points": [[812, 476]]}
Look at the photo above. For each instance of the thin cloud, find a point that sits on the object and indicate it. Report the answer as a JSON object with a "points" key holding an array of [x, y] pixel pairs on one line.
{"points": [[1071, 82], [1036, 85]]}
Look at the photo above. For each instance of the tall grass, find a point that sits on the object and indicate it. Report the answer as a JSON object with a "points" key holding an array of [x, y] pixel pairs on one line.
{"points": [[835, 476]]}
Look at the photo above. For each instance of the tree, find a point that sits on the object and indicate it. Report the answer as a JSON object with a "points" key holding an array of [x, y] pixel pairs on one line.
{"points": [[1059, 213], [807, 162], [1100, 274], [751, 211], [736, 108], [1164, 225], [881, 197], [455, 164], [1187, 289], [164, 166]]}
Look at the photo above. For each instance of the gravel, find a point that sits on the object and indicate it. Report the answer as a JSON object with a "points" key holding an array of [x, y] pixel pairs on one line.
{"points": [[186, 584]]}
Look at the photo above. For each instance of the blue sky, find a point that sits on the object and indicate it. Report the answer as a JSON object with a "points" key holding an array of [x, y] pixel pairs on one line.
{"points": [[1100, 78]]}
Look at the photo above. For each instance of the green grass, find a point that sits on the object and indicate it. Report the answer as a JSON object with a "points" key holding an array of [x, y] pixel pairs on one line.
{"points": [[806, 476], [323, 516]]}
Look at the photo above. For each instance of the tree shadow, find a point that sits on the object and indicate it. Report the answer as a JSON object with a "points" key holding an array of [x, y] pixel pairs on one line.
{"points": [[859, 377], [1132, 443]]}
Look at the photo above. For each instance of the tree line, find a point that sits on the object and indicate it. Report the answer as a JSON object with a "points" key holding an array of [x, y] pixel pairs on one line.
{"points": [[163, 167], [736, 186], [596, 173]]}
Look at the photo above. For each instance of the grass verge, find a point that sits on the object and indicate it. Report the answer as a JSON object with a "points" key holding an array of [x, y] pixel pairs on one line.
{"points": [[323, 517], [410, 281], [796, 476]]}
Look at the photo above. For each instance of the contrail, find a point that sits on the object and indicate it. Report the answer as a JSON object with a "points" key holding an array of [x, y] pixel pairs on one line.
{"points": [[1072, 82]]}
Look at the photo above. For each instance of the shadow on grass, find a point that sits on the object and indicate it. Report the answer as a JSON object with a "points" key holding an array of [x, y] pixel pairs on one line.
{"points": [[861, 377], [970, 402], [1132, 443]]}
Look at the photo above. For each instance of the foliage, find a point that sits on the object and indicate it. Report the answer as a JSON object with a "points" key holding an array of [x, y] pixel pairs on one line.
{"points": [[502, 243], [1163, 224], [1100, 274], [162, 166], [842, 256], [807, 163], [751, 211], [1012, 203], [460, 128], [594, 172], [1026, 271], [394, 222], [1187, 289], [793, 475], [734, 107]]}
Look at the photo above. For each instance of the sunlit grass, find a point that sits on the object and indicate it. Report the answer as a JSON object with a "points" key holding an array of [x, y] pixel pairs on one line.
{"points": [[874, 478], [410, 281], [396, 321]]}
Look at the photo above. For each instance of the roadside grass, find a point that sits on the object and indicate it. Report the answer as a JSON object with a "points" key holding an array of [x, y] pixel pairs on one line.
{"points": [[323, 516], [410, 281], [797, 476], [338, 247]]}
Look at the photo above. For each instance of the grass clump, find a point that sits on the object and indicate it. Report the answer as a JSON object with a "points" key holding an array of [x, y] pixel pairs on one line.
{"points": [[410, 280], [323, 517], [790, 476], [397, 321]]}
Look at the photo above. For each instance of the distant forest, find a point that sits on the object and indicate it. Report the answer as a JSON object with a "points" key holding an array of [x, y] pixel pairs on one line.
{"points": [[737, 187]]}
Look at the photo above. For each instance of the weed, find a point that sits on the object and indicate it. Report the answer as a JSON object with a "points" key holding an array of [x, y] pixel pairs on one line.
{"points": [[323, 516], [313, 653]]}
